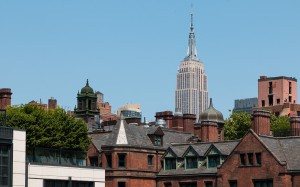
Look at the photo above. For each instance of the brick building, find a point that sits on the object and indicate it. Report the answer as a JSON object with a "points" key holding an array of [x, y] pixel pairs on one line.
{"points": [[279, 95], [130, 154], [257, 160], [87, 105]]}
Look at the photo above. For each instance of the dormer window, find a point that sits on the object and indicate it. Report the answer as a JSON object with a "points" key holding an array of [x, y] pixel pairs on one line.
{"points": [[213, 161], [157, 140], [191, 162], [170, 163]]}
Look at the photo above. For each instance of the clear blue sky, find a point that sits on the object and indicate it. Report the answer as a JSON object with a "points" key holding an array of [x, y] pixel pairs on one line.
{"points": [[130, 50]]}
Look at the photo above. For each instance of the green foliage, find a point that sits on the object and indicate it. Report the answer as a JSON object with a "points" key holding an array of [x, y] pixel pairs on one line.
{"points": [[280, 126], [49, 128], [237, 125]]}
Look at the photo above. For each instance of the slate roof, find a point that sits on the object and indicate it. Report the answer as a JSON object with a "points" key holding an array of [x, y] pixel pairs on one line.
{"points": [[183, 172], [138, 136], [225, 148], [285, 149]]}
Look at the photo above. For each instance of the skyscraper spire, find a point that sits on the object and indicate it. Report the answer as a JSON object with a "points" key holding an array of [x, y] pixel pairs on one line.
{"points": [[192, 53]]}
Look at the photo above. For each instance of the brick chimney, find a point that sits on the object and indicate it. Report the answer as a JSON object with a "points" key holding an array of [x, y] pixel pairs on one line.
{"points": [[209, 131], [52, 103], [295, 125], [261, 122], [188, 122], [5, 97], [165, 115]]}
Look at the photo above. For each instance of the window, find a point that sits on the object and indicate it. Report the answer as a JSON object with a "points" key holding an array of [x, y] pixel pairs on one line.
{"points": [[157, 140], [270, 88], [278, 101], [65, 183], [121, 160], [108, 160], [290, 98], [208, 184], [170, 163], [121, 184], [150, 160], [250, 159], [258, 158], [262, 102], [290, 88], [270, 100], [243, 160], [233, 183], [191, 162], [94, 161], [188, 184], [5, 165], [213, 161], [263, 183]]}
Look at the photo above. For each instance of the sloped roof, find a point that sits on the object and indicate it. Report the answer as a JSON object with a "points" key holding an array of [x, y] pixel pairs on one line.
{"points": [[285, 149], [226, 147], [173, 136], [138, 136], [186, 172]]}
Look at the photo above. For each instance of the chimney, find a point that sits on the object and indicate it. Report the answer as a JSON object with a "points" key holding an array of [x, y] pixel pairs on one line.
{"points": [[52, 103], [5, 97], [261, 122], [209, 131], [295, 125], [188, 122], [165, 115]]}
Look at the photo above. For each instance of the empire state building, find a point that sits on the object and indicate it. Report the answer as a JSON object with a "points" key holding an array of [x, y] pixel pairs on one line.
{"points": [[191, 95]]}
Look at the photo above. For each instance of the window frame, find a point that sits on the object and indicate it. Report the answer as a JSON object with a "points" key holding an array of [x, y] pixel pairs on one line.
{"points": [[123, 161], [170, 163], [108, 161], [250, 159], [150, 160], [233, 183], [190, 165], [258, 158], [157, 140], [242, 159], [9, 163]]}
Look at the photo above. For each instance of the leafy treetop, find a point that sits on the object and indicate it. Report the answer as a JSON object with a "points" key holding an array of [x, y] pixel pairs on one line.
{"points": [[49, 128]]}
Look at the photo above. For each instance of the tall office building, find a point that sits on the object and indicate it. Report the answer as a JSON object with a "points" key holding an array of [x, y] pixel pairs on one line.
{"points": [[191, 95]]}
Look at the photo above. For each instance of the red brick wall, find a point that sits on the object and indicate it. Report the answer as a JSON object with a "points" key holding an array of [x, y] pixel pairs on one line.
{"points": [[5, 97], [269, 169], [130, 182], [209, 131], [188, 122], [280, 91], [261, 122], [175, 181]]}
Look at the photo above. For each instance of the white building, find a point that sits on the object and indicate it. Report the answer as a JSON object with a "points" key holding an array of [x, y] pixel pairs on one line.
{"points": [[16, 172], [191, 95]]}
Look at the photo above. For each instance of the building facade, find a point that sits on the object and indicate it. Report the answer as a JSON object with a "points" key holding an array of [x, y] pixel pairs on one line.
{"points": [[276, 90], [87, 105], [245, 105], [131, 154], [191, 95], [279, 95], [17, 171]]}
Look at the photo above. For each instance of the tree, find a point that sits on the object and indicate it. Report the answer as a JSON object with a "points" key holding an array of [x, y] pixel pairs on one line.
{"points": [[237, 125], [280, 125], [49, 128]]}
